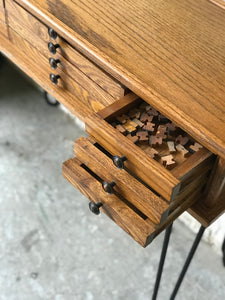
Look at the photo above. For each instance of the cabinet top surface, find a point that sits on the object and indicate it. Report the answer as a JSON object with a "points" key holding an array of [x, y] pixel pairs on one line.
{"points": [[170, 52]]}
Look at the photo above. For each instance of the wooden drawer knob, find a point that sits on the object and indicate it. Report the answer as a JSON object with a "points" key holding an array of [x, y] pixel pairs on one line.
{"points": [[94, 207], [108, 187], [52, 33], [52, 47], [119, 161], [53, 62], [54, 78]]}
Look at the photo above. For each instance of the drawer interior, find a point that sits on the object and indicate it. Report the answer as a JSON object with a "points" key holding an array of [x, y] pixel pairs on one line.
{"points": [[155, 134]]}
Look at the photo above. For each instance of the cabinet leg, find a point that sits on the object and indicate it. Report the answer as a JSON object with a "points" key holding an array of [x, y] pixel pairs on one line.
{"points": [[188, 261], [162, 260], [50, 100], [223, 252]]}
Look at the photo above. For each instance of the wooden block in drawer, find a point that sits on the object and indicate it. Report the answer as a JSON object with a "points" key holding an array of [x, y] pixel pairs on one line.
{"points": [[141, 230], [169, 184], [31, 28]]}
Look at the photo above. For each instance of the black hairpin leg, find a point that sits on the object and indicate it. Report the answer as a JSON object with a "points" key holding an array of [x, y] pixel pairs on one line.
{"points": [[1, 58], [50, 100], [223, 251], [188, 261], [162, 260]]}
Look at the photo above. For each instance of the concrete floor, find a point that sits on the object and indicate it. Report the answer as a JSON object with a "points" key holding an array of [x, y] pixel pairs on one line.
{"points": [[51, 246]]}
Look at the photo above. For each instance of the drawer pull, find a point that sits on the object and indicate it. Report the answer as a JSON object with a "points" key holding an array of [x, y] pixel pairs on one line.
{"points": [[53, 62], [52, 33], [94, 207], [52, 47], [119, 161], [108, 187], [54, 78]]}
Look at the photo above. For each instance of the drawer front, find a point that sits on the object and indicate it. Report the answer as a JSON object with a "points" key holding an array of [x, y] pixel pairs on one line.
{"points": [[65, 83], [168, 183], [37, 33], [141, 229]]}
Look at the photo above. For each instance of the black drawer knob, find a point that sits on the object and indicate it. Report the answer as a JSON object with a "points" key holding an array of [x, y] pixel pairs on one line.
{"points": [[52, 47], [119, 161], [52, 33], [53, 62], [54, 78], [94, 207], [108, 187]]}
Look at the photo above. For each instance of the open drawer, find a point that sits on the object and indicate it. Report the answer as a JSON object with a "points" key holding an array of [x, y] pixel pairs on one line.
{"points": [[136, 224], [158, 152]]}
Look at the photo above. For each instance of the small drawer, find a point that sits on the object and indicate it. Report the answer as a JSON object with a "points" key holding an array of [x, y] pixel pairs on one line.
{"points": [[145, 161], [138, 226], [34, 31], [97, 99], [67, 91]]}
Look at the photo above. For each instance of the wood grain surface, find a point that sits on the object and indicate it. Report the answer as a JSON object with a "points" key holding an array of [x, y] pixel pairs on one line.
{"points": [[171, 53], [2, 11], [220, 3]]}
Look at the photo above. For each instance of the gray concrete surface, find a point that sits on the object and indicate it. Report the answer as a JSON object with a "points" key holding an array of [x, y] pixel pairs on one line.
{"points": [[51, 246]]}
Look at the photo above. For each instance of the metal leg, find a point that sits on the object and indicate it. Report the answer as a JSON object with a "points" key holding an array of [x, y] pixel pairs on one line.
{"points": [[1, 58], [188, 261], [162, 260], [50, 100], [223, 251]]}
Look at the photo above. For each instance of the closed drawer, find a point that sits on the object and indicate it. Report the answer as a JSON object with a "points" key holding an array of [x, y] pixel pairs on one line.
{"points": [[74, 79], [36, 33], [65, 83], [170, 172]]}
